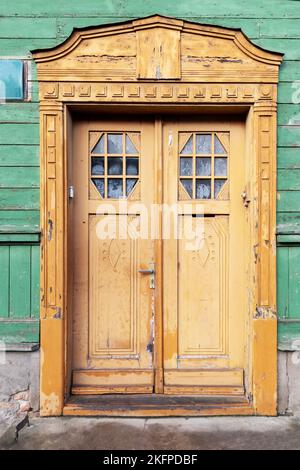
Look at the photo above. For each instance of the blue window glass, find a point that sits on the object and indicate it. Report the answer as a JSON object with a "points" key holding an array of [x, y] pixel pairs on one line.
{"points": [[11, 79]]}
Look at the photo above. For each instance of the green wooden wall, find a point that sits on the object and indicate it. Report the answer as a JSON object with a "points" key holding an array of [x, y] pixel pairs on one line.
{"points": [[19, 300], [272, 24]]}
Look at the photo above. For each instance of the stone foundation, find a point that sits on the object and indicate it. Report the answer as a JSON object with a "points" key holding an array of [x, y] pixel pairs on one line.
{"points": [[288, 382], [19, 380]]}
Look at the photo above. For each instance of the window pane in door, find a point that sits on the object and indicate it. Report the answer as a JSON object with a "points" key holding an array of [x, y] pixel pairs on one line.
{"points": [[114, 143], [115, 166], [203, 189], [115, 188]]}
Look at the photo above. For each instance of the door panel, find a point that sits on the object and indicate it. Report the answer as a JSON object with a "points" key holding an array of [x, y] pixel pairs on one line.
{"points": [[204, 282], [112, 305], [207, 305]]}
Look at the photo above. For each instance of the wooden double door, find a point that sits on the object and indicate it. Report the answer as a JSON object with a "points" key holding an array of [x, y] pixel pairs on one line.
{"points": [[159, 241]]}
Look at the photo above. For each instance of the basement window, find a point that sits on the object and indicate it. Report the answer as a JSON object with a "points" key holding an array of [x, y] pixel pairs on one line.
{"points": [[12, 80]]}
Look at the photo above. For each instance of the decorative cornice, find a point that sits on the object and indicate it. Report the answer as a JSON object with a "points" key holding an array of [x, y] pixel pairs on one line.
{"points": [[158, 21]]}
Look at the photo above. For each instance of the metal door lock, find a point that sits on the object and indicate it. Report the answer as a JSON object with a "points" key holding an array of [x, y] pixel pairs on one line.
{"points": [[151, 272]]}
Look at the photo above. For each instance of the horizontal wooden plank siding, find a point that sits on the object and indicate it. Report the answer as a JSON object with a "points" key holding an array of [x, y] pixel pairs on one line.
{"points": [[19, 332], [288, 201], [21, 134], [19, 155], [288, 336], [20, 28], [15, 199], [283, 28], [17, 46], [289, 71], [288, 222], [133, 8], [288, 158], [19, 177], [19, 113], [38, 24], [288, 180], [289, 114], [288, 92], [21, 221], [289, 136]]}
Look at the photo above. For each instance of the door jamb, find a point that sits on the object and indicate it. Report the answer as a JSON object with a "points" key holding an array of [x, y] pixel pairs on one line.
{"points": [[261, 327]]}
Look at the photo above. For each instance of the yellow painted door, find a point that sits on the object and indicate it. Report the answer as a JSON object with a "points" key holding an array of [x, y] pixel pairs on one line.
{"points": [[198, 169], [112, 300], [204, 292]]}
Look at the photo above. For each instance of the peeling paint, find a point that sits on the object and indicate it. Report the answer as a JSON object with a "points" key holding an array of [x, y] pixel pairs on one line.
{"points": [[264, 313], [150, 348], [150, 345], [58, 313], [225, 59], [50, 404], [255, 250], [158, 73], [50, 229], [42, 357], [94, 58]]}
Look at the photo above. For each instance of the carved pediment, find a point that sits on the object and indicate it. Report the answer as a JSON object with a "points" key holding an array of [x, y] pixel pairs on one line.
{"points": [[158, 48]]}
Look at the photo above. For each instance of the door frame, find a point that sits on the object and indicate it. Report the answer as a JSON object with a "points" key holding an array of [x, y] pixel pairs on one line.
{"points": [[151, 78]]}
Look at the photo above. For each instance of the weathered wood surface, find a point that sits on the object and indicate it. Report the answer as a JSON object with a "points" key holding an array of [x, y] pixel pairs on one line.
{"points": [[156, 405]]}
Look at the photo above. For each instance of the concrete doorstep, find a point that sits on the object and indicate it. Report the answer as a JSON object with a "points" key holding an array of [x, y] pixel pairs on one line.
{"points": [[211, 433]]}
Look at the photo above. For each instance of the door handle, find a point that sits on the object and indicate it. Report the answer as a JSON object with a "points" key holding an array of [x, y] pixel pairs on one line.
{"points": [[151, 273], [146, 271]]}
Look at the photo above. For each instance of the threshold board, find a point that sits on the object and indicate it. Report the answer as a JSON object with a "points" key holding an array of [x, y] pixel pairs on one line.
{"points": [[156, 405]]}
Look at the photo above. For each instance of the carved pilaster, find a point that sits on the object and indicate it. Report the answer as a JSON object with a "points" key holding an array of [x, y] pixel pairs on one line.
{"points": [[52, 199], [265, 125]]}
